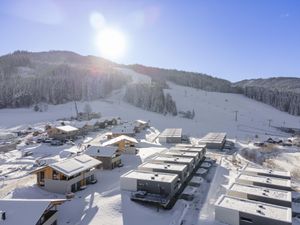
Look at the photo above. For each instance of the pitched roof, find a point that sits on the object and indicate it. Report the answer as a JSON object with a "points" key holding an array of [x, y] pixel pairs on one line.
{"points": [[72, 166], [141, 122], [104, 151], [24, 211], [118, 139]]}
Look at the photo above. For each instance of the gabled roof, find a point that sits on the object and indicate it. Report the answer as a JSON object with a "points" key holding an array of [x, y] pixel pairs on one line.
{"points": [[120, 138], [141, 122], [101, 151], [67, 128], [72, 166], [24, 211]]}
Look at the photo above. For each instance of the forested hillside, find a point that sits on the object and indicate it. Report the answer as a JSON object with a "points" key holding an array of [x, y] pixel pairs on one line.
{"points": [[195, 80], [282, 93], [150, 97], [55, 78]]}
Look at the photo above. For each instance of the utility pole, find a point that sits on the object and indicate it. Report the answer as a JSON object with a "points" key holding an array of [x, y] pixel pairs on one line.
{"points": [[270, 120], [236, 114], [76, 109]]}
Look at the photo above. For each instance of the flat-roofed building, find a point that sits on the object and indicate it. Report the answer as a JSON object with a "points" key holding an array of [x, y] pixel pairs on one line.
{"points": [[68, 175], [237, 211], [180, 169], [190, 145], [170, 135], [267, 172], [164, 184], [201, 151], [63, 132], [29, 211], [270, 182], [262, 194], [190, 162], [194, 155], [214, 140]]}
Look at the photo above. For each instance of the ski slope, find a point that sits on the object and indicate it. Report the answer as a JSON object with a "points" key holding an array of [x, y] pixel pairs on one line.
{"points": [[213, 112]]}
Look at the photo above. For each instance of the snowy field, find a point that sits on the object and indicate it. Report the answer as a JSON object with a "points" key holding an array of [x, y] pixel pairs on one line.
{"points": [[103, 202], [214, 112]]}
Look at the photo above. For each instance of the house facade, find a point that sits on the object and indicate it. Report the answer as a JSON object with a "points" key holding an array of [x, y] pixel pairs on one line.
{"points": [[124, 143], [108, 155], [69, 175], [63, 132]]}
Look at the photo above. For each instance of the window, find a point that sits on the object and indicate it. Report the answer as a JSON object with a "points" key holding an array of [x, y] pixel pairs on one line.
{"points": [[247, 220]]}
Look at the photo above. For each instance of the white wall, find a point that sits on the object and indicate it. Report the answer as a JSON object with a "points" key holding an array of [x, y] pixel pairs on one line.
{"points": [[128, 184], [226, 215]]}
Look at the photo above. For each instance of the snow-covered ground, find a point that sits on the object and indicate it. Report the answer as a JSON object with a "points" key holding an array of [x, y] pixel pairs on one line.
{"points": [[103, 202], [214, 112]]}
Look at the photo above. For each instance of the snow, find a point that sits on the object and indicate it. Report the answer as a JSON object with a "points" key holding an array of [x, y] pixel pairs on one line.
{"points": [[103, 202], [107, 151], [251, 207], [22, 211], [67, 128], [118, 139], [75, 165]]}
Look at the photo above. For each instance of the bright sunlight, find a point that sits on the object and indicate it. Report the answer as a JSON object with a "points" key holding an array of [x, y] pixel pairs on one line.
{"points": [[112, 43]]}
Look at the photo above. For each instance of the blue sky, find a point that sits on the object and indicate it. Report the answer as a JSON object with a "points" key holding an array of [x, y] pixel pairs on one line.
{"points": [[231, 39]]}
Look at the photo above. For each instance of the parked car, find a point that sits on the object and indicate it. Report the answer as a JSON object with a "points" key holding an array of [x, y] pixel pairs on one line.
{"points": [[69, 142], [56, 143], [39, 140], [27, 153], [140, 194], [48, 140]]}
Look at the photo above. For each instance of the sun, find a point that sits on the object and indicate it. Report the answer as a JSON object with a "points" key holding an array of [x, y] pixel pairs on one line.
{"points": [[112, 43]]}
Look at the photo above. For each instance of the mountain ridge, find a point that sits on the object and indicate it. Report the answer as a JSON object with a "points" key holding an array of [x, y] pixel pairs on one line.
{"points": [[282, 93]]}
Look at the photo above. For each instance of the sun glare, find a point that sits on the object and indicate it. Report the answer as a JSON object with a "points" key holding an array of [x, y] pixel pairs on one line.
{"points": [[112, 43]]}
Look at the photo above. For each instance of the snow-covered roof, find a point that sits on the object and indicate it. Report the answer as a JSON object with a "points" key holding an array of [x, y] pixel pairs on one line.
{"points": [[72, 166], [164, 166], [255, 208], [174, 159], [181, 154], [261, 191], [67, 128], [171, 132], [141, 122], [120, 138], [265, 180], [213, 138], [7, 135], [267, 172], [127, 129], [23, 211], [151, 176], [101, 151], [190, 146]]}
